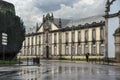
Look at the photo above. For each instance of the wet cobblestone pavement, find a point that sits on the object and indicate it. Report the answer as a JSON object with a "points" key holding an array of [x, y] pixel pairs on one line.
{"points": [[50, 70]]}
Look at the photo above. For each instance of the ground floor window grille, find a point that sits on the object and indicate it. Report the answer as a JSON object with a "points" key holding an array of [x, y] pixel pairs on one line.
{"points": [[93, 49], [79, 50], [40, 53], [55, 50], [102, 49], [86, 49], [67, 50], [32, 51], [73, 50]]}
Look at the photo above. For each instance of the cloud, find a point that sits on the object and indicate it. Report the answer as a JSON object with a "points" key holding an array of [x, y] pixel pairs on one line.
{"points": [[28, 13], [31, 11], [52, 5], [81, 9]]}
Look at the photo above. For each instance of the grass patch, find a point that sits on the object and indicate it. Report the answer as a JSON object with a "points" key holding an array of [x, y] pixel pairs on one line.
{"points": [[9, 61]]}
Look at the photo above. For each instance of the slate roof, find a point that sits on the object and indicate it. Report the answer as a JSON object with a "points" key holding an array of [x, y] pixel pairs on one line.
{"points": [[63, 21], [88, 20], [69, 23]]}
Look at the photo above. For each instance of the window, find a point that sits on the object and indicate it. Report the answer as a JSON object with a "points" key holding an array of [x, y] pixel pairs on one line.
{"points": [[40, 53], [28, 51], [32, 51], [39, 40], [102, 49], [54, 37], [86, 35], [46, 37], [66, 37], [35, 40], [101, 33], [93, 35], [79, 50], [79, 36], [94, 49], [67, 50], [49, 38], [55, 50], [73, 36], [60, 38], [73, 49], [86, 48], [32, 40], [28, 41]]}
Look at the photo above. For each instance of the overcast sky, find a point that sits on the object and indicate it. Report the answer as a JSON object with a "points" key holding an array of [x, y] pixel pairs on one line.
{"points": [[31, 11]]}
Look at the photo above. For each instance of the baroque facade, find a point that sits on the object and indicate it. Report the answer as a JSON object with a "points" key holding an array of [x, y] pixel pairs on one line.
{"points": [[64, 38]]}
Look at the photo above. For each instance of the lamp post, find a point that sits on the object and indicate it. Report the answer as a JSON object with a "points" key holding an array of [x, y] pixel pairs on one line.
{"points": [[107, 9]]}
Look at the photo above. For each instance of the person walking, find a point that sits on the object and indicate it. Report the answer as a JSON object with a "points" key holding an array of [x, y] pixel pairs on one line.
{"points": [[87, 56]]}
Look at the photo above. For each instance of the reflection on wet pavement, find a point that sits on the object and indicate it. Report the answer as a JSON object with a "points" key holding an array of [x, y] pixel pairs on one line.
{"points": [[60, 71]]}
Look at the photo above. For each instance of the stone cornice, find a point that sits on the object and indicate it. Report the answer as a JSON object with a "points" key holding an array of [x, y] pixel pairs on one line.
{"points": [[93, 25]]}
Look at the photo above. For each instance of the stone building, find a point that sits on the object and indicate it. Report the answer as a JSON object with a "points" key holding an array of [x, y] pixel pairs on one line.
{"points": [[117, 42], [64, 38]]}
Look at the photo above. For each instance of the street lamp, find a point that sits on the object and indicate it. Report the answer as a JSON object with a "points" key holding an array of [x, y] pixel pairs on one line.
{"points": [[107, 7]]}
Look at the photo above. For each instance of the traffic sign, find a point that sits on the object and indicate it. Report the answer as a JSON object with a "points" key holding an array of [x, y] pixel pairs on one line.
{"points": [[4, 38], [4, 34]]}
